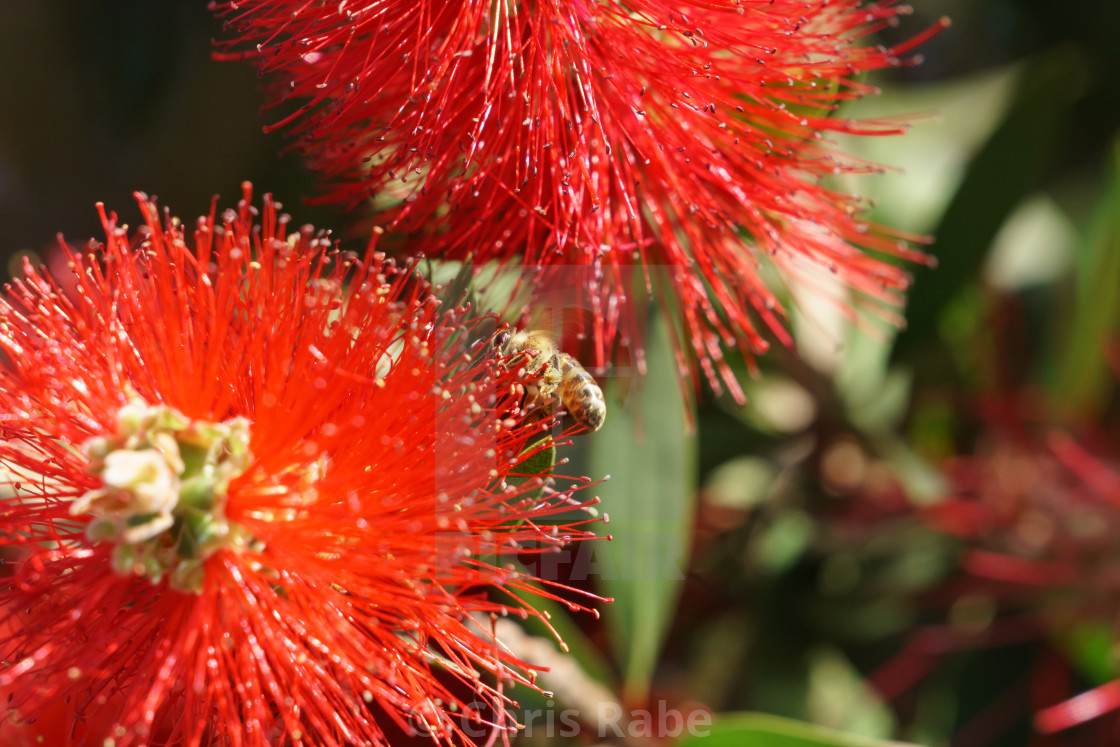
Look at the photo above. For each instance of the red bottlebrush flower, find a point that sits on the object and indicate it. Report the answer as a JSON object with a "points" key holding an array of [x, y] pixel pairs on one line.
{"points": [[1038, 515], [598, 140], [259, 493]]}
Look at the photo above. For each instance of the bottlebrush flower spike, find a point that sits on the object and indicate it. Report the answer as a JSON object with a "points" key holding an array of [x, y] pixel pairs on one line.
{"points": [[593, 139], [254, 483]]}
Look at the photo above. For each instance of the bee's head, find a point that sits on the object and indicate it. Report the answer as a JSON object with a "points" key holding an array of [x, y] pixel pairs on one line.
{"points": [[501, 339]]}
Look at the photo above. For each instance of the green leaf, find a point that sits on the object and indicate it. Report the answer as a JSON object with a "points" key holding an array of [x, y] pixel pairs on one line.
{"points": [[1006, 170], [646, 449], [763, 730], [458, 290], [540, 462], [490, 287], [1084, 378]]}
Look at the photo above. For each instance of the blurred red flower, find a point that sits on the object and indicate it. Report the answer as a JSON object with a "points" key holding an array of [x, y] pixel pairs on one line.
{"points": [[1037, 511], [258, 494], [598, 141], [1041, 517]]}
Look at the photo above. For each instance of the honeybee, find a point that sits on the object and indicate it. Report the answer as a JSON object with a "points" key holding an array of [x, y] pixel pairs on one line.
{"points": [[565, 378]]}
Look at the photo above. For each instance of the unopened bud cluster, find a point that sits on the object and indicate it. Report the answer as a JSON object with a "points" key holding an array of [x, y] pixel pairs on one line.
{"points": [[163, 493]]}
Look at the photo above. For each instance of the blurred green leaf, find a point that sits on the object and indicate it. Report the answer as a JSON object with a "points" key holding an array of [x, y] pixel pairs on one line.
{"points": [[949, 121], [1006, 170], [776, 404], [1084, 377], [866, 593], [783, 542], [743, 482], [924, 483], [763, 730], [1035, 247], [1091, 646], [875, 398], [840, 698], [877, 403], [651, 458], [718, 657]]}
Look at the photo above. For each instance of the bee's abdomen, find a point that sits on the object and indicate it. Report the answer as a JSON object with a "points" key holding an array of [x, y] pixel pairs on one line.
{"points": [[581, 395]]}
